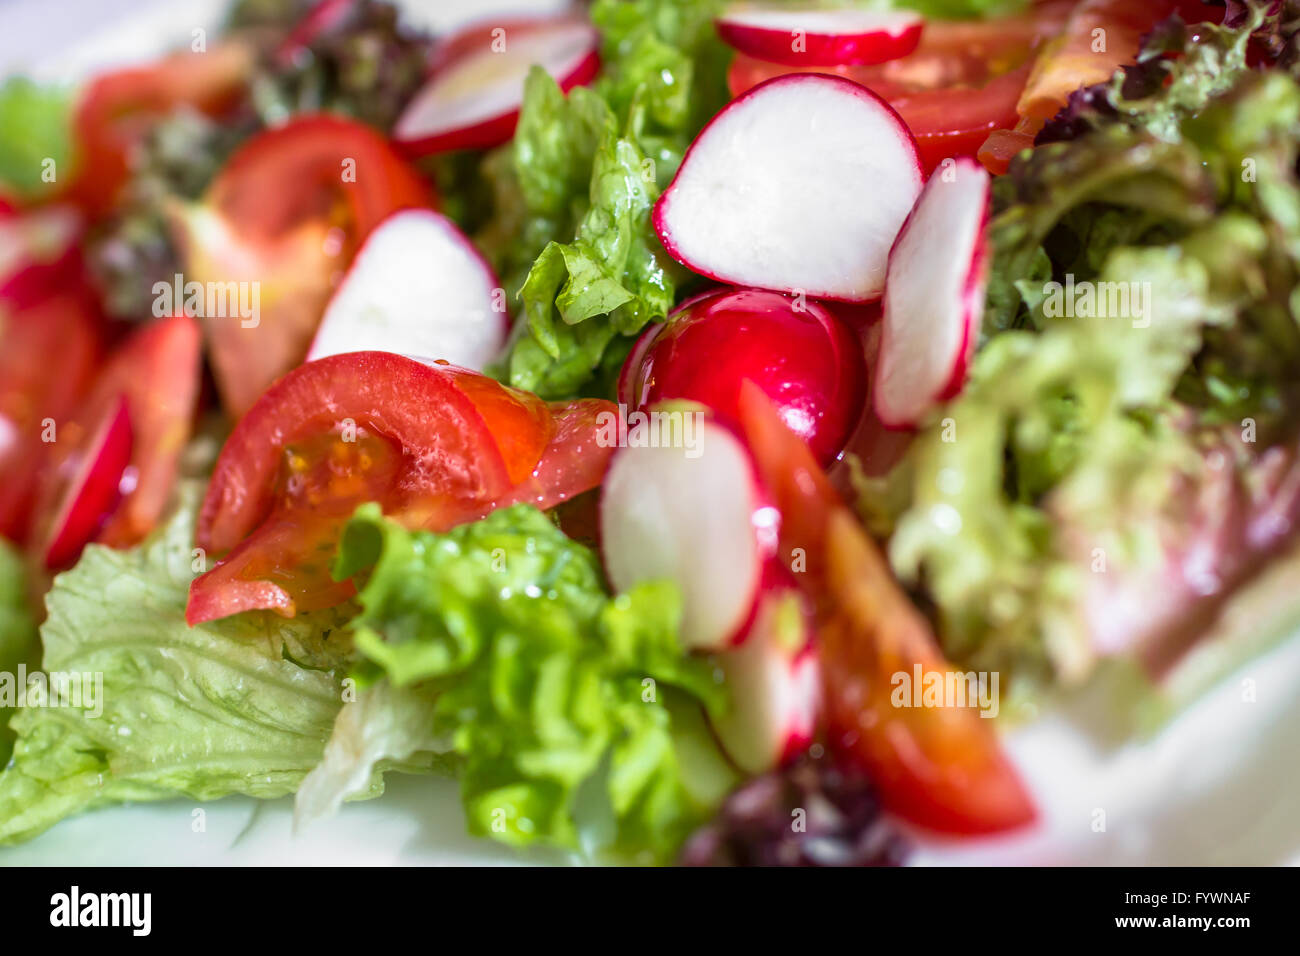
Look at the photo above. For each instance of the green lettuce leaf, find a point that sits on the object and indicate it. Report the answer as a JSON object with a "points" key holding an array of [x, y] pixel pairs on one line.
{"points": [[243, 705], [17, 630], [574, 190], [547, 689], [1080, 429], [35, 125]]}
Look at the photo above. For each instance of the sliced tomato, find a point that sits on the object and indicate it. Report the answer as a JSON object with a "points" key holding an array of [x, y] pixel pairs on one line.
{"points": [[1097, 38], [436, 445], [573, 461], [158, 371], [963, 80], [117, 109], [284, 217], [48, 352], [153, 378], [939, 767], [89, 487], [315, 166]]}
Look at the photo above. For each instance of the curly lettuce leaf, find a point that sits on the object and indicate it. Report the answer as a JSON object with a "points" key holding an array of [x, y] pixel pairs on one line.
{"points": [[547, 688], [573, 192], [1084, 431], [244, 705]]}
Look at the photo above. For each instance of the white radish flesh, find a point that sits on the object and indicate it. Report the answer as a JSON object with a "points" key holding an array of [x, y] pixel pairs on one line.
{"points": [[417, 287], [799, 186]]}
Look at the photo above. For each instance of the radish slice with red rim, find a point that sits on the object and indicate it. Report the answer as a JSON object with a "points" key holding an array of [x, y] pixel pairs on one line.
{"points": [[794, 37], [92, 487], [417, 287], [934, 297], [692, 512], [774, 683], [472, 99], [800, 186]]}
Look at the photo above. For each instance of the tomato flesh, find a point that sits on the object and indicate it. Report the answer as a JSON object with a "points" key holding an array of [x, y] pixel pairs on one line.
{"points": [[962, 82], [941, 768], [284, 217], [434, 444], [89, 489], [64, 325], [153, 379]]}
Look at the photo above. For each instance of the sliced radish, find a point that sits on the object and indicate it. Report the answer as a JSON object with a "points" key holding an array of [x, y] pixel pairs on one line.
{"points": [[774, 684], [800, 185], [693, 515], [934, 298], [820, 37], [472, 99], [417, 287], [92, 487]]}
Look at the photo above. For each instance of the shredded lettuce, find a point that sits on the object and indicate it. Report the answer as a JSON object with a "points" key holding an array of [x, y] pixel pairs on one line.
{"points": [[244, 705], [574, 190], [548, 690]]}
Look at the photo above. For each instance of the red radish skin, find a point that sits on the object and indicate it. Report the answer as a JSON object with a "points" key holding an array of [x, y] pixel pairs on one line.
{"points": [[473, 96], [703, 522], [92, 489], [802, 357], [934, 298], [417, 287], [819, 37], [799, 186], [774, 680]]}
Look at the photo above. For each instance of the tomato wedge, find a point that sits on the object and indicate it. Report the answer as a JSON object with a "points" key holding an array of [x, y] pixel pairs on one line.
{"points": [[962, 81], [941, 768], [117, 109], [158, 371], [1074, 58], [129, 432], [89, 488], [65, 325], [283, 218], [436, 445]]}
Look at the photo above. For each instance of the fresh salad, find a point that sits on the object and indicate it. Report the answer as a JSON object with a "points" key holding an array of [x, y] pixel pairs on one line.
{"points": [[702, 429]]}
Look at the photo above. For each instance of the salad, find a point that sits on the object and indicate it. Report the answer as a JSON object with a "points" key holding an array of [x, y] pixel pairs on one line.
{"points": [[701, 429]]}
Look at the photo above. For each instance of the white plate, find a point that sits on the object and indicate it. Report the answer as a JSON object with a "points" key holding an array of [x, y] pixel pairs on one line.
{"points": [[1212, 788]]}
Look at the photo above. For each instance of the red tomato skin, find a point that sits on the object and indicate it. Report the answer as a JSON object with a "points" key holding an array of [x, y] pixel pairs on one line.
{"points": [[297, 172], [415, 405], [445, 445], [287, 212], [78, 505], [941, 768], [158, 371], [64, 324]]}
